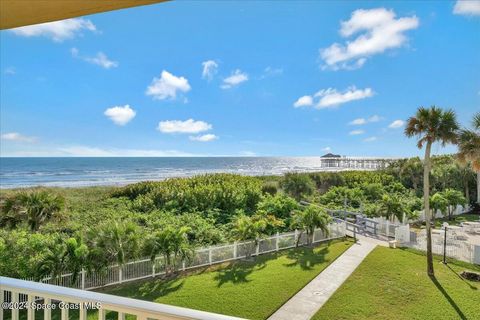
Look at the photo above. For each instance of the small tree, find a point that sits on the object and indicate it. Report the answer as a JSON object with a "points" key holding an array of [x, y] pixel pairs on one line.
{"points": [[309, 219], [469, 148], [438, 202], [454, 198], [35, 207], [297, 185], [392, 205], [172, 244]]}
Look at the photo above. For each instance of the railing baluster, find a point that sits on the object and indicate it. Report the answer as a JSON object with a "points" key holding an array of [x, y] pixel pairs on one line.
{"points": [[121, 316], [64, 313], [47, 312], [101, 314], [30, 310], [83, 313], [15, 299]]}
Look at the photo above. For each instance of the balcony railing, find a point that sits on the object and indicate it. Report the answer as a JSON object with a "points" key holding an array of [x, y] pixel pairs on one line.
{"points": [[15, 293]]}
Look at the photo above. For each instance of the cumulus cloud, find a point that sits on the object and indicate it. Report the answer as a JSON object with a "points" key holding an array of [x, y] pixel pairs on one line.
{"points": [[362, 121], [15, 136], [356, 132], [370, 139], [378, 30], [331, 98], [305, 101], [99, 59], [467, 7], [396, 124], [210, 68], [167, 86], [234, 79], [120, 115], [58, 30], [187, 126], [204, 138]]}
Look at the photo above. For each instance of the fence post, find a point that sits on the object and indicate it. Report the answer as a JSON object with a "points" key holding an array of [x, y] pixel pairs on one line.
{"points": [[153, 269], [296, 236], [183, 265], [83, 279], [276, 242], [257, 249], [235, 250], [388, 228], [120, 274], [313, 236], [210, 255]]}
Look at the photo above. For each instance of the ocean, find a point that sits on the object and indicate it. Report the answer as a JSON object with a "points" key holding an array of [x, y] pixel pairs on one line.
{"points": [[80, 172]]}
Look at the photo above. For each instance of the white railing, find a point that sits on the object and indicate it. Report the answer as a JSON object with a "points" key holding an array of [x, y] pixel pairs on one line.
{"points": [[145, 268], [49, 297]]}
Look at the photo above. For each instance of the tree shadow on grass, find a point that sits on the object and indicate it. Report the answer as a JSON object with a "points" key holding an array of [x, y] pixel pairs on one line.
{"points": [[306, 257], [153, 290], [461, 278], [449, 299], [239, 271]]}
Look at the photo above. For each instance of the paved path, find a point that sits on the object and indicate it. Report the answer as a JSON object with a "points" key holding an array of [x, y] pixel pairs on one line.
{"points": [[313, 296]]}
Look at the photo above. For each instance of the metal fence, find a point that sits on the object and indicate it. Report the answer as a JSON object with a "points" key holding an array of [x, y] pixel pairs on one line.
{"points": [[457, 244], [141, 269]]}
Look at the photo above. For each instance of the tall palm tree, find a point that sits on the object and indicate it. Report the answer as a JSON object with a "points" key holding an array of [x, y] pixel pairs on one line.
{"points": [[431, 125], [469, 148]]}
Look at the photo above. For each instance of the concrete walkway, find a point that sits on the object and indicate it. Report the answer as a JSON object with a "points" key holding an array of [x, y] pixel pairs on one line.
{"points": [[313, 296]]}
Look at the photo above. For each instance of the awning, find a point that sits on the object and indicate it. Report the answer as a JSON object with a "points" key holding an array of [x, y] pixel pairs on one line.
{"points": [[17, 13]]}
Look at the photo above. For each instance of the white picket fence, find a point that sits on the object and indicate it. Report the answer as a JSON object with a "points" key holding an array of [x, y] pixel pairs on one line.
{"points": [[145, 268], [456, 246]]}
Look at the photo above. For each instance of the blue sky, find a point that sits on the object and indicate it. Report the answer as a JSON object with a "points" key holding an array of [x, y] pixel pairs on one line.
{"points": [[252, 78]]}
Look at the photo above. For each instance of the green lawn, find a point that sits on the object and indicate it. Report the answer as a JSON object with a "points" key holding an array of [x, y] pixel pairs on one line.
{"points": [[457, 219], [252, 290], [392, 284]]}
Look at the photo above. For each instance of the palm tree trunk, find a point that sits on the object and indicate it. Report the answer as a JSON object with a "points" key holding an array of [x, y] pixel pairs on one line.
{"points": [[426, 199], [478, 187], [467, 191]]}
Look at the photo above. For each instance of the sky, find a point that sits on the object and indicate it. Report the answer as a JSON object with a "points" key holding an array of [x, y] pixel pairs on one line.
{"points": [[199, 78]]}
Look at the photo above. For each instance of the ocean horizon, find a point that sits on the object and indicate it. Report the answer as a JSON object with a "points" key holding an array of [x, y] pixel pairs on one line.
{"points": [[21, 172]]}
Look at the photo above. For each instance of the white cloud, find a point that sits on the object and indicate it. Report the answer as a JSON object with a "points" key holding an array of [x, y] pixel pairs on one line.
{"points": [[187, 126], [467, 7], [358, 122], [330, 97], [327, 149], [10, 71], [87, 151], [356, 132], [204, 138], [234, 79], [370, 139], [99, 59], [362, 121], [167, 86], [15, 136], [247, 154], [396, 124], [210, 68], [120, 115], [271, 72], [379, 30], [58, 30], [304, 101]]}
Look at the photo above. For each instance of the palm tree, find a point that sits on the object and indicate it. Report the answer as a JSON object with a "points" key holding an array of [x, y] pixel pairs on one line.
{"points": [[431, 125], [35, 207], [173, 244], [77, 255], [454, 198], [119, 241], [309, 219], [469, 148]]}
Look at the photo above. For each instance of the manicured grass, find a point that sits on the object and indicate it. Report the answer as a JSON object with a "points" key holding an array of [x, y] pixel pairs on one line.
{"points": [[457, 219], [393, 284], [251, 290]]}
